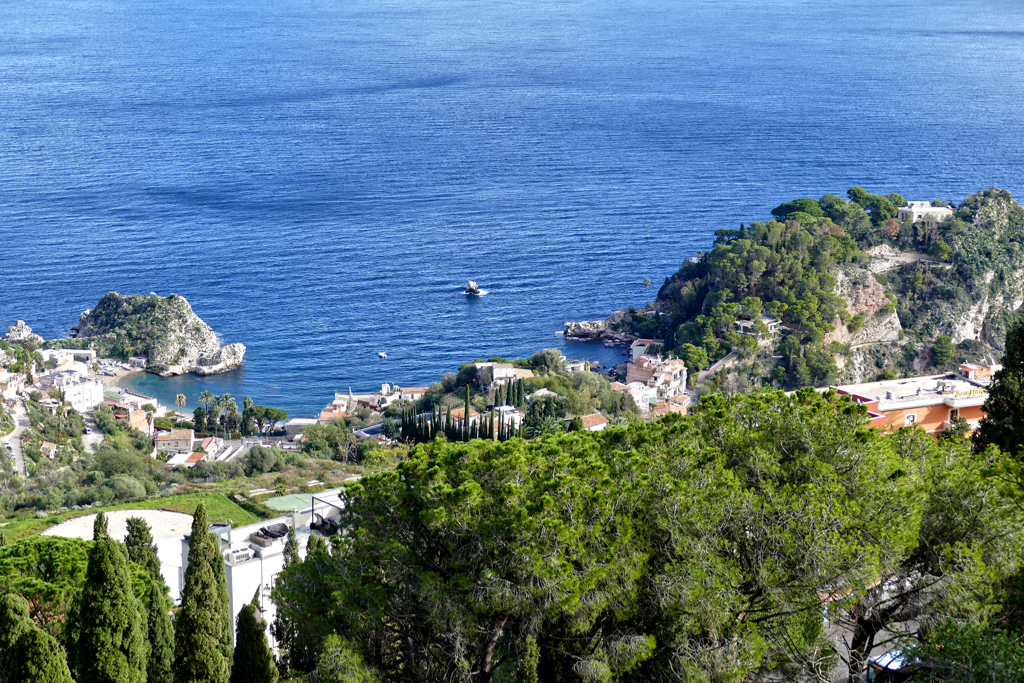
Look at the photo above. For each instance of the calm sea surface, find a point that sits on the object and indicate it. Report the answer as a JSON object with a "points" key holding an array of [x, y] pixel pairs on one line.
{"points": [[320, 178]]}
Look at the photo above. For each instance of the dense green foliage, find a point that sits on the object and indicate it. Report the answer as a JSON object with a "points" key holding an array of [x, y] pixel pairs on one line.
{"points": [[701, 546], [112, 645], [14, 622], [6, 421], [199, 630], [141, 548], [39, 658], [968, 653], [253, 661], [1003, 424], [161, 638]]}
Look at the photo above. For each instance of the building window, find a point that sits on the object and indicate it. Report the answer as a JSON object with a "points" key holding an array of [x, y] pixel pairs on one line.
{"points": [[954, 413], [910, 420]]}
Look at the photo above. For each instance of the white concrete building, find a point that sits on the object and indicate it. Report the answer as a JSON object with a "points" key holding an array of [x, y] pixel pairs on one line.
{"points": [[920, 210], [254, 554], [82, 392]]}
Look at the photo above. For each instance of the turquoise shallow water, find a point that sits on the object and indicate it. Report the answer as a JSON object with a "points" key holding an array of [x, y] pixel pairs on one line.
{"points": [[321, 178]]}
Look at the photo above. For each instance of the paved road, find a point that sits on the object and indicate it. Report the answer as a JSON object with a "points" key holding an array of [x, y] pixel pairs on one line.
{"points": [[91, 441], [21, 424]]}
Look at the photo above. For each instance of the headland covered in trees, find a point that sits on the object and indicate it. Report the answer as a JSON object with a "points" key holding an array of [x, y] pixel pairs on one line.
{"points": [[865, 287]]}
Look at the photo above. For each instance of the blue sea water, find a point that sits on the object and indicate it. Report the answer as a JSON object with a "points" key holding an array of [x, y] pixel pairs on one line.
{"points": [[320, 178]]}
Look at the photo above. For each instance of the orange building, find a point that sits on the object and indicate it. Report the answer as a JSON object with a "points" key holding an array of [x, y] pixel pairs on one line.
{"points": [[929, 402]]}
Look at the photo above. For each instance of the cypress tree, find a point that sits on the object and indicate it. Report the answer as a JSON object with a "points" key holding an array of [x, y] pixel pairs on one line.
{"points": [[161, 638], [14, 622], [112, 645], [291, 549], [254, 663], [99, 526], [315, 544], [198, 633], [141, 549], [283, 628], [217, 564], [3, 538], [39, 658]]}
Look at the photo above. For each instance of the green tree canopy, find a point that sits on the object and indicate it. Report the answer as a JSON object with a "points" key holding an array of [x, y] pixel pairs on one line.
{"points": [[112, 646], [161, 637], [198, 634], [39, 658], [14, 622], [1003, 424], [700, 546], [253, 660], [810, 207], [141, 548]]}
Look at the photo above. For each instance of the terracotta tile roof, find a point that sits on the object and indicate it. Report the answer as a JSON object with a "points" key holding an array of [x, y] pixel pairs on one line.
{"points": [[195, 457], [460, 413], [593, 420], [182, 434]]}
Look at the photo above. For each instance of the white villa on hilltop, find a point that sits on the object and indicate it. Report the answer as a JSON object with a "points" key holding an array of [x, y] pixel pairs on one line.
{"points": [[917, 211]]}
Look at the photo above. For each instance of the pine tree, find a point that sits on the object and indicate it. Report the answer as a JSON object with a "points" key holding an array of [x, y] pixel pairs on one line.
{"points": [[198, 633], [217, 564], [14, 622], [39, 658], [254, 663], [99, 526], [112, 645], [141, 549], [161, 638]]}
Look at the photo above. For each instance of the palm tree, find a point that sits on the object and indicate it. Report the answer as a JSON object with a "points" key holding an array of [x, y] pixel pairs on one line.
{"points": [[179, 400], [207, 399], [212, 413], [231, 407], [246, 404], [647, 286]]}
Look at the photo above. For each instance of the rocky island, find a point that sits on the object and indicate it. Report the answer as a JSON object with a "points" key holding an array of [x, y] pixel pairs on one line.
{"points": [[165, 330]]}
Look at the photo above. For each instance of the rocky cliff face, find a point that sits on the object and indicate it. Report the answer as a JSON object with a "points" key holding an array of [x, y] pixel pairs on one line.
{"points": [[164, 329], [865, 296]]}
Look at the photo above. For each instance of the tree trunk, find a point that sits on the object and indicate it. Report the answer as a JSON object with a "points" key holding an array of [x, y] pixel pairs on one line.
{"points": [[487, 650], [860, 648]]}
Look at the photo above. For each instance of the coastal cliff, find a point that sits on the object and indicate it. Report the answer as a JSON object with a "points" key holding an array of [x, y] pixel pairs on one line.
{"points": [[860, 289], [163, 329]]}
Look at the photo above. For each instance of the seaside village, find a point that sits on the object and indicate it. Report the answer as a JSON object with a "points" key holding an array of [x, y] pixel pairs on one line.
{"points": [[253, 555]]}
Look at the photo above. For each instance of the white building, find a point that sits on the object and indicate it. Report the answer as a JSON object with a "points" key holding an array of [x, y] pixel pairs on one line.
{"points": [[748, 327], [494, 373], [921, 210], [82, 392], [254, 554], [10, 384], [641, 347]]}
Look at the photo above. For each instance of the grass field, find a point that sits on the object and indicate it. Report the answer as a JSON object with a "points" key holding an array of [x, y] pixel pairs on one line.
{"points": [[219, 507]]}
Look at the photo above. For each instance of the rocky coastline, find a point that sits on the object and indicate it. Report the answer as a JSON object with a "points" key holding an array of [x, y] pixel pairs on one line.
{"points": [[602, 330]]}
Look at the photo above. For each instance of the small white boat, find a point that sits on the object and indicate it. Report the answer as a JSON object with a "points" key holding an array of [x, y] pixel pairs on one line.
{"points": [[382, 355]]}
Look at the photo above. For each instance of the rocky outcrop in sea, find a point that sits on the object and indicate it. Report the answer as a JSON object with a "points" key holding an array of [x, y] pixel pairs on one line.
{"points": [[165, 330]]}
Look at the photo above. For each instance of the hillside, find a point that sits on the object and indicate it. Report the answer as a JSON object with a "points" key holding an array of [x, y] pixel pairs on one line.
{"points": [[164, 329], [860, 293]]}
